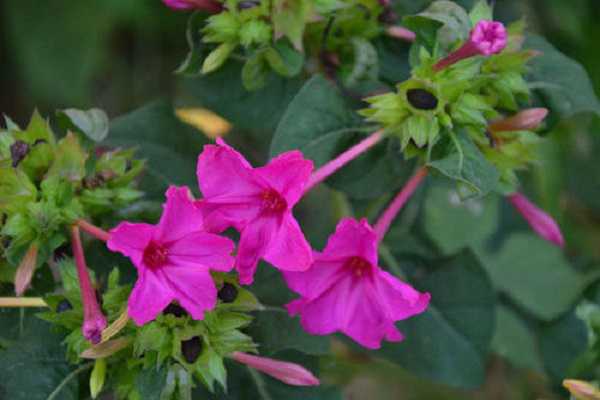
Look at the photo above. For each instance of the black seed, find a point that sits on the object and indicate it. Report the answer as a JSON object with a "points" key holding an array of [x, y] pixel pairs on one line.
{"points": [[191, 349], [61, 252], [63, 306], [228, 293], [421, 99], [244, 5], [18, 151], [174, 309]]}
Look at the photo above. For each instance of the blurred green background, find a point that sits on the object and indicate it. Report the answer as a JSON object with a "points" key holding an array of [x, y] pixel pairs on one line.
{"points": [[119, 55]]}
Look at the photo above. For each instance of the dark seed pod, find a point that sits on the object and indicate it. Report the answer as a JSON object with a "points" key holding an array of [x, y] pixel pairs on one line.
{"points": [[421, 99], [63, 306], [174, 309], [191, 349], [227, 293], [244, 5], [18, 151]]}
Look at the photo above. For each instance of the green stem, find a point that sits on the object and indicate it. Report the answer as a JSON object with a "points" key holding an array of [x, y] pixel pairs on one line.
{"points": [[461, 155], [260, 384], [68, 378]]}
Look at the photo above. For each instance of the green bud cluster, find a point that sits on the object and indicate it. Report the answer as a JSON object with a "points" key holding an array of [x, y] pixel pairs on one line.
{"points": [[432, 106], [47, 183]]}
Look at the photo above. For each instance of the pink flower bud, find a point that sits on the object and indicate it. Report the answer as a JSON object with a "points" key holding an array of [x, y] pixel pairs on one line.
{"points": [[211, 6], [401, 33], [523, 121], [25, 270], [581, 390], [542, 223], [290, 373], [94, 321], [487, 38]]}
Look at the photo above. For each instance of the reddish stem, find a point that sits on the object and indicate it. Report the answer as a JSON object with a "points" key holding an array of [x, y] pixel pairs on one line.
{"points": [[467, 50], [93, 230], [388, 216], [332, 166]]}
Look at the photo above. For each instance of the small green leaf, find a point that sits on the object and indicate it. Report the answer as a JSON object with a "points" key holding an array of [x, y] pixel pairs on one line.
{"points": [[98, 377], [482, 11], [289, 19], [255, 71], [93, 123], [217, 57]]}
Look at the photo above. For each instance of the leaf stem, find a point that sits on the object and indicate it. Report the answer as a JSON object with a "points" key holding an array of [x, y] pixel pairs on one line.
{"points": [[461, 154]]}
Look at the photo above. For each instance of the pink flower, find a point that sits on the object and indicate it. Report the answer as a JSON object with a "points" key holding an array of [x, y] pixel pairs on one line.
{"points": [[525, 120], [212, 6], [486, 38], [94, 322], [290, 373], [173, 259], [542, 223], [346, 291], [258, 203]]}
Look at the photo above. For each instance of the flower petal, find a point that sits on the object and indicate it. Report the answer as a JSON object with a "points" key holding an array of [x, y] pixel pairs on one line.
{"points": [[289, 249], [130, 240], [180, 216], [254, 241], [149, 297], [222, 171], [313, 282], [287, 173], [221, 212], [398, 299], [193, 288], [352, 238], [202, 249]]}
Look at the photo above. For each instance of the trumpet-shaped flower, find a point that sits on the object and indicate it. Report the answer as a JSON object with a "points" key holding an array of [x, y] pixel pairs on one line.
{"points": [[173, 259], [346, 291], [258, 203], [542, 223]]}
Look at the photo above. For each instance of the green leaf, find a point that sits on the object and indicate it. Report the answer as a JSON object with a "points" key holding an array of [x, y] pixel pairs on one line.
{"points": [[515, 341], [217, 57], [563, 83], [255, 71], [284, 60], [170, 146], [35, 366], [482, 11], [460, 317], [93, 123], [445, 211], [276, 331], [464, 163], [150, 382], [289, 19], [455, 20], [98, 377], [535, 274], [561, 343], [69, 161]]}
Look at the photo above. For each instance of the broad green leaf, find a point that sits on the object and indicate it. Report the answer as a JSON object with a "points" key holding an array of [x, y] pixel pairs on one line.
{"points": [[170, 146], [150, 382], [463, 162], [448, 342], [515, 341], [35, 366], [561, 342], [93, 123], [482, 11], [445, 213], [275, 330], [563, 83], [455, 20], [535, 274]]}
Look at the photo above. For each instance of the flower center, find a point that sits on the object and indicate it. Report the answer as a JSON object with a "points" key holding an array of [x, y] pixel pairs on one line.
{"points": [[272, 201], [155, 255], [358, 265], [421, 99]]}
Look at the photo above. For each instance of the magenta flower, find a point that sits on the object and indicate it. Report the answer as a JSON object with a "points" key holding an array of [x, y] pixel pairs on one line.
{"points": [[258, 203], [346, 291], [94, 321], [173, 259], [212, 6], [290, 373], [542, 223], [486, 38]]}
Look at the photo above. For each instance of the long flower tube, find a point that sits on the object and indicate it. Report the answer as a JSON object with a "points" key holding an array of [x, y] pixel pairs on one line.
{"points": [[94, 321]]}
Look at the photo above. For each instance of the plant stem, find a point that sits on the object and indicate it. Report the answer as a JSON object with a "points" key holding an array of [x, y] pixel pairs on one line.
{"points": [[93, 230], [332, 166], [67, 379], [18, 302], [388, 216]]}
